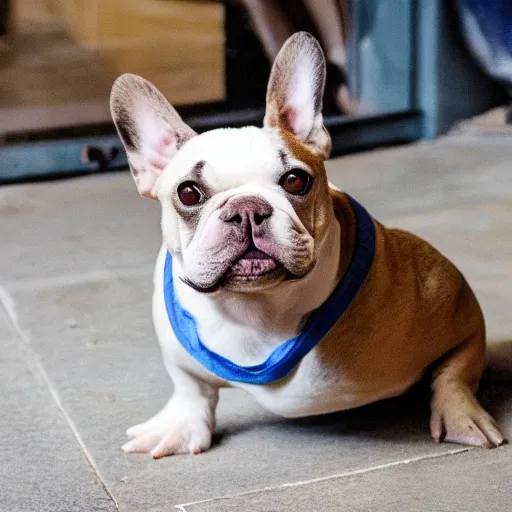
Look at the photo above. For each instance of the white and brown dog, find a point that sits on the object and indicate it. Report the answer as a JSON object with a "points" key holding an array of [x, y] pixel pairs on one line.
{"points": [[258, 253]]}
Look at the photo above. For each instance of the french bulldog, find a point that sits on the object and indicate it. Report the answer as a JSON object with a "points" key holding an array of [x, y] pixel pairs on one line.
{"points": [[259, 241]]}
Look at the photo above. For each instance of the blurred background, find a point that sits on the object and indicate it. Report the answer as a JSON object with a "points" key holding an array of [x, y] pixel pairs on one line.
{"points": [[398, 70]]}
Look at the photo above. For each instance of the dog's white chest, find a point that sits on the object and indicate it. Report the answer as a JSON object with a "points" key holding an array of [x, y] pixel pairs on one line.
{"points": [[312, 388]]}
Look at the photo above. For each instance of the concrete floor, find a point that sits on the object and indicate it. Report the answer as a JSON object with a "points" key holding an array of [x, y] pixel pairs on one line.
{"points": [[79, 362]]}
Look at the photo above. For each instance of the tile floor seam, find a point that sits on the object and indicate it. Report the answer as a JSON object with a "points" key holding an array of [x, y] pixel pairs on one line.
{"points": [[182, 507], [8, 306]]}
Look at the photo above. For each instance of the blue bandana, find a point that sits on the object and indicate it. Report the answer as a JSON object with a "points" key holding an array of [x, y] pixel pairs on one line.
{"points": [[287, 355]]}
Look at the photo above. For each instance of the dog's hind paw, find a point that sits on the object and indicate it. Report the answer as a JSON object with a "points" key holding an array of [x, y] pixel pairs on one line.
{"points": [[462, 420]]}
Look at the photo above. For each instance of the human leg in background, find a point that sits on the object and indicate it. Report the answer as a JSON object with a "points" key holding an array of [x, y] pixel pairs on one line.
{"points": [[271, 25], [327, 18]]}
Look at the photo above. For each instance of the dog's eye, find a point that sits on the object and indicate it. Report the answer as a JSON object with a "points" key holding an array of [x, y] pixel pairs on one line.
{"points": [[296, 182], [189, 193]]}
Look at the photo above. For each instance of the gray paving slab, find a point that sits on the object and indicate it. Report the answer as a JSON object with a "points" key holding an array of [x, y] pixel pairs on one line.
{"points": [[42, 467], [443, 174], [93, 225], [109, 374], [475, 481]]}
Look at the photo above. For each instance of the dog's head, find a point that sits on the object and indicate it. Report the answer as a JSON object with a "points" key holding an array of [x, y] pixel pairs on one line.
{"points": [[242, 209]]}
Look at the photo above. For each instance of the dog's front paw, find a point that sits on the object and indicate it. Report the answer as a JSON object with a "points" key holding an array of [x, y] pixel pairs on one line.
{"points": [[171, 432]]}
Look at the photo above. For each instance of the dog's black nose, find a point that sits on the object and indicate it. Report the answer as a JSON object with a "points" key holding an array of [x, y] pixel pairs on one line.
{"points": [[252, 209]]}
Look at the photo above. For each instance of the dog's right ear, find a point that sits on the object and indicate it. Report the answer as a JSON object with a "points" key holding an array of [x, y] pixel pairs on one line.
{"points": [[151, 130]]}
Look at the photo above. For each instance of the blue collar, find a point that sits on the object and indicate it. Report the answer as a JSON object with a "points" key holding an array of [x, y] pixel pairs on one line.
{"points": [[287, 355]]}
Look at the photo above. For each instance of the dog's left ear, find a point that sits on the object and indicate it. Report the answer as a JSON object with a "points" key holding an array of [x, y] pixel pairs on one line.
{"points": [[295, 91]]}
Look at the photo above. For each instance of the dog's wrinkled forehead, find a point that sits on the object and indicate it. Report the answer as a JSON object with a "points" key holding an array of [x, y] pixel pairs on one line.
{"points": [[229, 158]]}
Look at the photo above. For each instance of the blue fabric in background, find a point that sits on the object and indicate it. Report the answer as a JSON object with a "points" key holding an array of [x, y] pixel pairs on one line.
{"points": [[287, 355], [487, 27]]}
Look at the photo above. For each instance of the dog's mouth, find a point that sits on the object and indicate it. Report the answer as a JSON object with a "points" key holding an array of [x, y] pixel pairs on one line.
{"points": [[251, 267], [252, 264]]}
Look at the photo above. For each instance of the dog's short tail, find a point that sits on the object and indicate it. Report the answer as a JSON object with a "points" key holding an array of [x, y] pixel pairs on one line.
{"points": [[499, 360]]}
